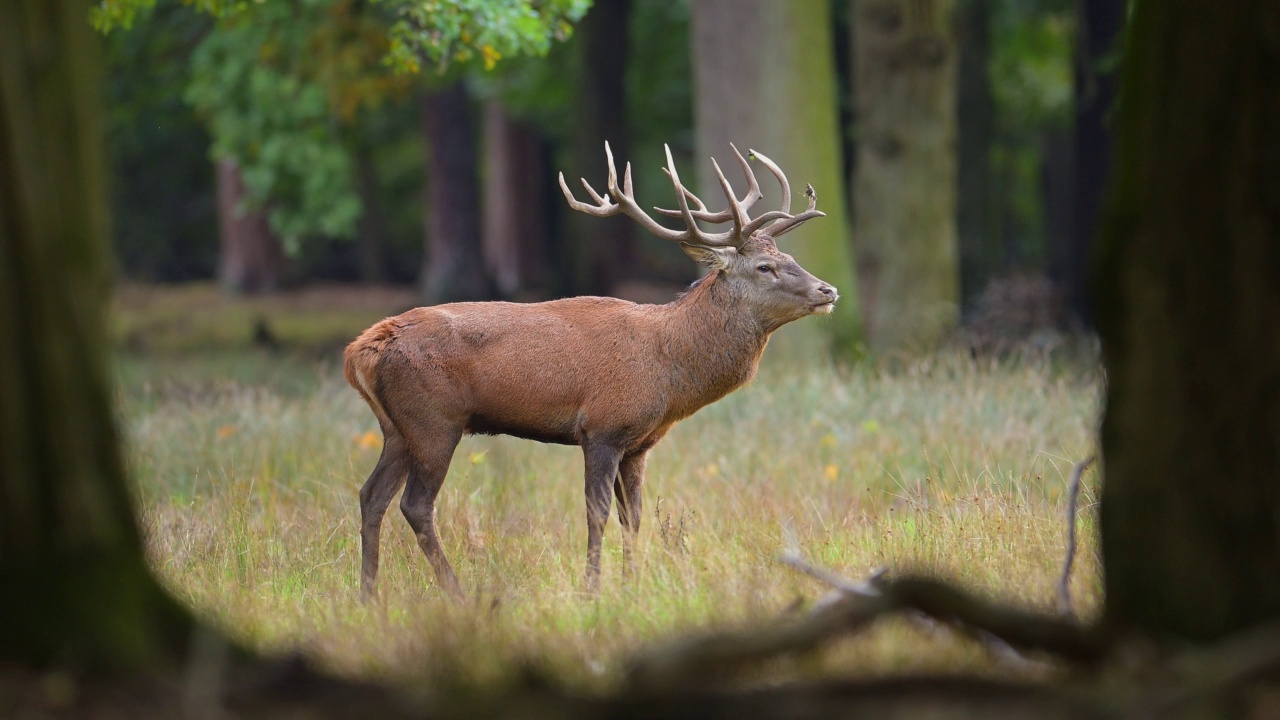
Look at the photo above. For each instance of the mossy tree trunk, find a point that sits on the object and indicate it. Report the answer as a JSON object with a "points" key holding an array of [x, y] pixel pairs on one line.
{"points": [[765, 78], [1189, 314], [904, 181], [76, 588]]}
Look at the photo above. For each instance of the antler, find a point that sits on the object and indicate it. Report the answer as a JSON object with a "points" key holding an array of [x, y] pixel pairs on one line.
{"points": [[782, 220], [622, 200]]}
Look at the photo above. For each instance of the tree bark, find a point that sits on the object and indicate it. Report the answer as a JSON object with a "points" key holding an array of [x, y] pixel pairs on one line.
{"points": [[371, 231], [250, 257], [454, 266], [601, 251], [764, 78], [1189, 315], [515, 234], [904, 184], [76, 588], [1100, 23], [975, 123]]}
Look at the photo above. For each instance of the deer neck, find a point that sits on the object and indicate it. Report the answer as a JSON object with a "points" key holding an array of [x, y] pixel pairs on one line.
{"points": [[714, 344]]}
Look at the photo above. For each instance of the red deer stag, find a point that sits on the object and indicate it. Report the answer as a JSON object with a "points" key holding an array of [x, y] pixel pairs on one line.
{"points": [[608, 375]]}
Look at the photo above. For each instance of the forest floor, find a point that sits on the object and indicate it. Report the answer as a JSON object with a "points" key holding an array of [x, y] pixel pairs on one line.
{"points": [[248, 457]]}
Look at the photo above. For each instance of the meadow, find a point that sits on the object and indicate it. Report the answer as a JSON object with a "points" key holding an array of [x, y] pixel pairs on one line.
{"points": [[248, 461]]}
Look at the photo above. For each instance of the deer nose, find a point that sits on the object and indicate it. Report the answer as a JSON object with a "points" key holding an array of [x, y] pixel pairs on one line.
{"points": [[827, 290]]}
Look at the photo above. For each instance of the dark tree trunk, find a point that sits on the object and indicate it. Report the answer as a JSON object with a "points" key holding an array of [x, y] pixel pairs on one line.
{"points": [[1058, 193], [76, 589], [454, 266], [250, 258], [1189, 314], [979, 253], [602, 252], [515, 232], [1100, 23], [372, 228], [904, 184]]}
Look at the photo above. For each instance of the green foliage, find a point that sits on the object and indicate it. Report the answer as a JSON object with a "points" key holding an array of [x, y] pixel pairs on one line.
{"points": [[445, 31], [282, 86]]}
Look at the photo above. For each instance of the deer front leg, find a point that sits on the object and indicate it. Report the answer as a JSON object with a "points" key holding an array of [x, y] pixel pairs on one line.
{"points": [[628, 488], [601, 470]]}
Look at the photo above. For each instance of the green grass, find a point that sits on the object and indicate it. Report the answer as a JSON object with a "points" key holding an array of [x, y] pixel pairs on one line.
{"points": [[248, 466]]}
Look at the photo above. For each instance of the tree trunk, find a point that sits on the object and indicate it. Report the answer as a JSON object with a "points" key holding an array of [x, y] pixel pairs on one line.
{"points": [[372, 229], [904, 184], [1100, 25], [76, 588], [515, 233], [454, 266], [979, 253], [764, 78], [601, 251], [1189, 314], [250, 258]]}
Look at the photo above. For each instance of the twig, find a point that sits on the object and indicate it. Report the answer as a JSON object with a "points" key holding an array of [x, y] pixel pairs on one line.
{"points": [[1073, 495]]}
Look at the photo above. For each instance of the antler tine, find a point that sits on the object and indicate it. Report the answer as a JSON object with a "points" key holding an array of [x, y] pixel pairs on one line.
{"points": [[753, 194], [622, 200], [786, 225], [697, 237], [781, 176], [602, 208], [739, 214]]}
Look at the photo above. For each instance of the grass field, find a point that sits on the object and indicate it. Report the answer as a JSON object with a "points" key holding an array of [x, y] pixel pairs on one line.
{"points": [[248, 464]]}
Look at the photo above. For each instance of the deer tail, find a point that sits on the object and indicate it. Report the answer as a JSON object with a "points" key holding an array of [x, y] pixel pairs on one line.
{"points": [[360, 363]]}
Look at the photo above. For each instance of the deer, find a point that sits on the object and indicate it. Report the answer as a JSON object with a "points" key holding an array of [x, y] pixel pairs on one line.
{"points": [[607, 375]]}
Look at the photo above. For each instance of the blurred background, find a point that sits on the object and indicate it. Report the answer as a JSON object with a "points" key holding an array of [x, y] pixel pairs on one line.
{"points": [[284, 180]]}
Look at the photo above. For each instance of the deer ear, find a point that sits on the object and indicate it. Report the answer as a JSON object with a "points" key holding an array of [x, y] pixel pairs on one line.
{"points": [[714, 258]]}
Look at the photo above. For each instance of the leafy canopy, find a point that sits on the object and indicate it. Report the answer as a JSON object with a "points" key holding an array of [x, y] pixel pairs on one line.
{"points": [[281, 84]]}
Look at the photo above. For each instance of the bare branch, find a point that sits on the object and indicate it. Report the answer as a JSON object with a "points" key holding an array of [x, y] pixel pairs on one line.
{"points": [[1073, 495]]}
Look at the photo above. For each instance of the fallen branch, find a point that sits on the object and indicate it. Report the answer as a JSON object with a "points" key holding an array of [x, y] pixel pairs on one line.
{"points": [[1073, 495], [690, 662]]}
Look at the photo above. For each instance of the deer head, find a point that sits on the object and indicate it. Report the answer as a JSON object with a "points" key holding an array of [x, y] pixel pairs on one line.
{"points": [[761, 279]]}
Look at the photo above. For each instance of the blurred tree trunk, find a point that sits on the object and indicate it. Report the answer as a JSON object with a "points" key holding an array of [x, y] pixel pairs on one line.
{"points": [[1058, 194], [601, 251], [1189, 314], [453, 269], [975, 121], [76, 588], [515, 232], [1100, 22], [372, 229], [765, 79], [904, 184], [250, 257]]}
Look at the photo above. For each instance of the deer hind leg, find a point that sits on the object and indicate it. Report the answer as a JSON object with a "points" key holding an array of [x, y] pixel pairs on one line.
{"points": [[601, 473], [428, 465], [375, 496], [627, 487]]}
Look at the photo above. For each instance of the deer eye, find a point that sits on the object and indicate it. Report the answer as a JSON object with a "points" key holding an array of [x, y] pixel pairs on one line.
{"points": [[764, 268]]}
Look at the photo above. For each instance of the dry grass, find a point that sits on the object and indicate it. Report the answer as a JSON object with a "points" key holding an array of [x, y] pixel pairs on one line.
{"points": [[248, 489]]}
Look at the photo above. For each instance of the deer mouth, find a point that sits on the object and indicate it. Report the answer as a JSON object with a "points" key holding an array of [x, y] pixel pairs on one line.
{"points": [[826, 307]]}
